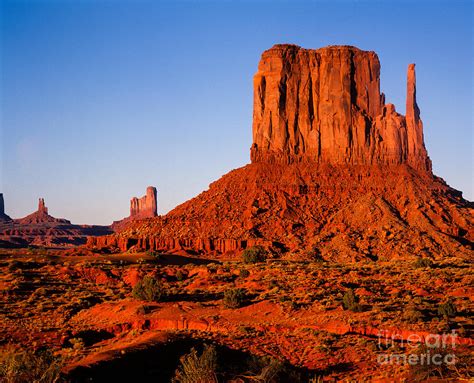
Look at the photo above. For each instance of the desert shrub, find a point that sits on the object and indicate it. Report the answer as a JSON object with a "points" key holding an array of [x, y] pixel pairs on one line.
{"points": [[412, 315], [148, 289], [350, 301], [244, 273], [254, 254], [234, 298], [424, 263], [180, 276], [195, 368], [421, 372], [447, 309], [18, 366], [270, 370]]}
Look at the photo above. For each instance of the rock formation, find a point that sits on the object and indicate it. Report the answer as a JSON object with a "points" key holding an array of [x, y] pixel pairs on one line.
{"points": [[41, 229], [325, 106], [144, 207], [335, 172], [140, 208], [42, 209], [41, 216], [3, 216]]}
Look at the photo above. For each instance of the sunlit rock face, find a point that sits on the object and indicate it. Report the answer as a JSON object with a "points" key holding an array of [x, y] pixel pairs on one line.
{"points": [[325, 106]]}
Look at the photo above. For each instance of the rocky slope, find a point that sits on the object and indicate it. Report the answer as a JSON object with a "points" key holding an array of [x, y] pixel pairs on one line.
{"points": [[334, 173]]}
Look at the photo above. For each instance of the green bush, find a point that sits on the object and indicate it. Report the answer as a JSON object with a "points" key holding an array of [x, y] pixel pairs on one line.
{"points": [[234, 298], [148, 289], [447, 309], [350, 301], [197, 368], [254, 254], [18, 366]]}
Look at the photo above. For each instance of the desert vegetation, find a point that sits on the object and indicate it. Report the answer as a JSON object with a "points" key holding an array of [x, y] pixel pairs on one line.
{"points": [[107, 300], [148, 289], [234, 298], [198, 367], [22, 366], [254, 254]]}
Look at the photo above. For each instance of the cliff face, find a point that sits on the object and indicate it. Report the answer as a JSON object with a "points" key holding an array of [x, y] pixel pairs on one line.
{"points": [[140, 208], [325, 105], [144, 207]]}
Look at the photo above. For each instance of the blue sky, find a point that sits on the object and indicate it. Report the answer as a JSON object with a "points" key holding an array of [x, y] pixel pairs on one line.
{"points": [[101, 99]]}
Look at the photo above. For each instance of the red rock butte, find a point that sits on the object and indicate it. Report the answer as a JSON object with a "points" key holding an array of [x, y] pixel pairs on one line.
{"points": [[144, 207], [334, 171], [325, 105]]}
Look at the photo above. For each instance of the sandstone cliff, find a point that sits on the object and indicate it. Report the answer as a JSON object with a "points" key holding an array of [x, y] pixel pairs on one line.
{"points": [[144, 207], [140, 208], [325, 106]]}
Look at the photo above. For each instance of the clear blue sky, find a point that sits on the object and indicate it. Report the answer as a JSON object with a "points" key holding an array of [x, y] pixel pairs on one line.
{"points": [[101, 99]]}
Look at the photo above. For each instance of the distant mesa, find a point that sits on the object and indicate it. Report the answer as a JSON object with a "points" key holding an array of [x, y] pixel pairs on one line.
{"points": [[140, 208], [3, 216], [41, 229], [144, 207], [41, 216]]}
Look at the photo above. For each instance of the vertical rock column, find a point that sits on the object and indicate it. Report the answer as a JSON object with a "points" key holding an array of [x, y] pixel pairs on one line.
{"points": [[3, 216], [417, 154], [151, 205], [2, 205], [42, 207], [146, 206]]}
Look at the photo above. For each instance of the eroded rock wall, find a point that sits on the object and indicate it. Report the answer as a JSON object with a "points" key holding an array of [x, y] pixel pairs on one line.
{"points": [[325, 105]]}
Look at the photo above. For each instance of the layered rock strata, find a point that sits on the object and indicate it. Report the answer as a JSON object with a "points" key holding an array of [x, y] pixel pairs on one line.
{"points": [[325, 106], [144, 207]]}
